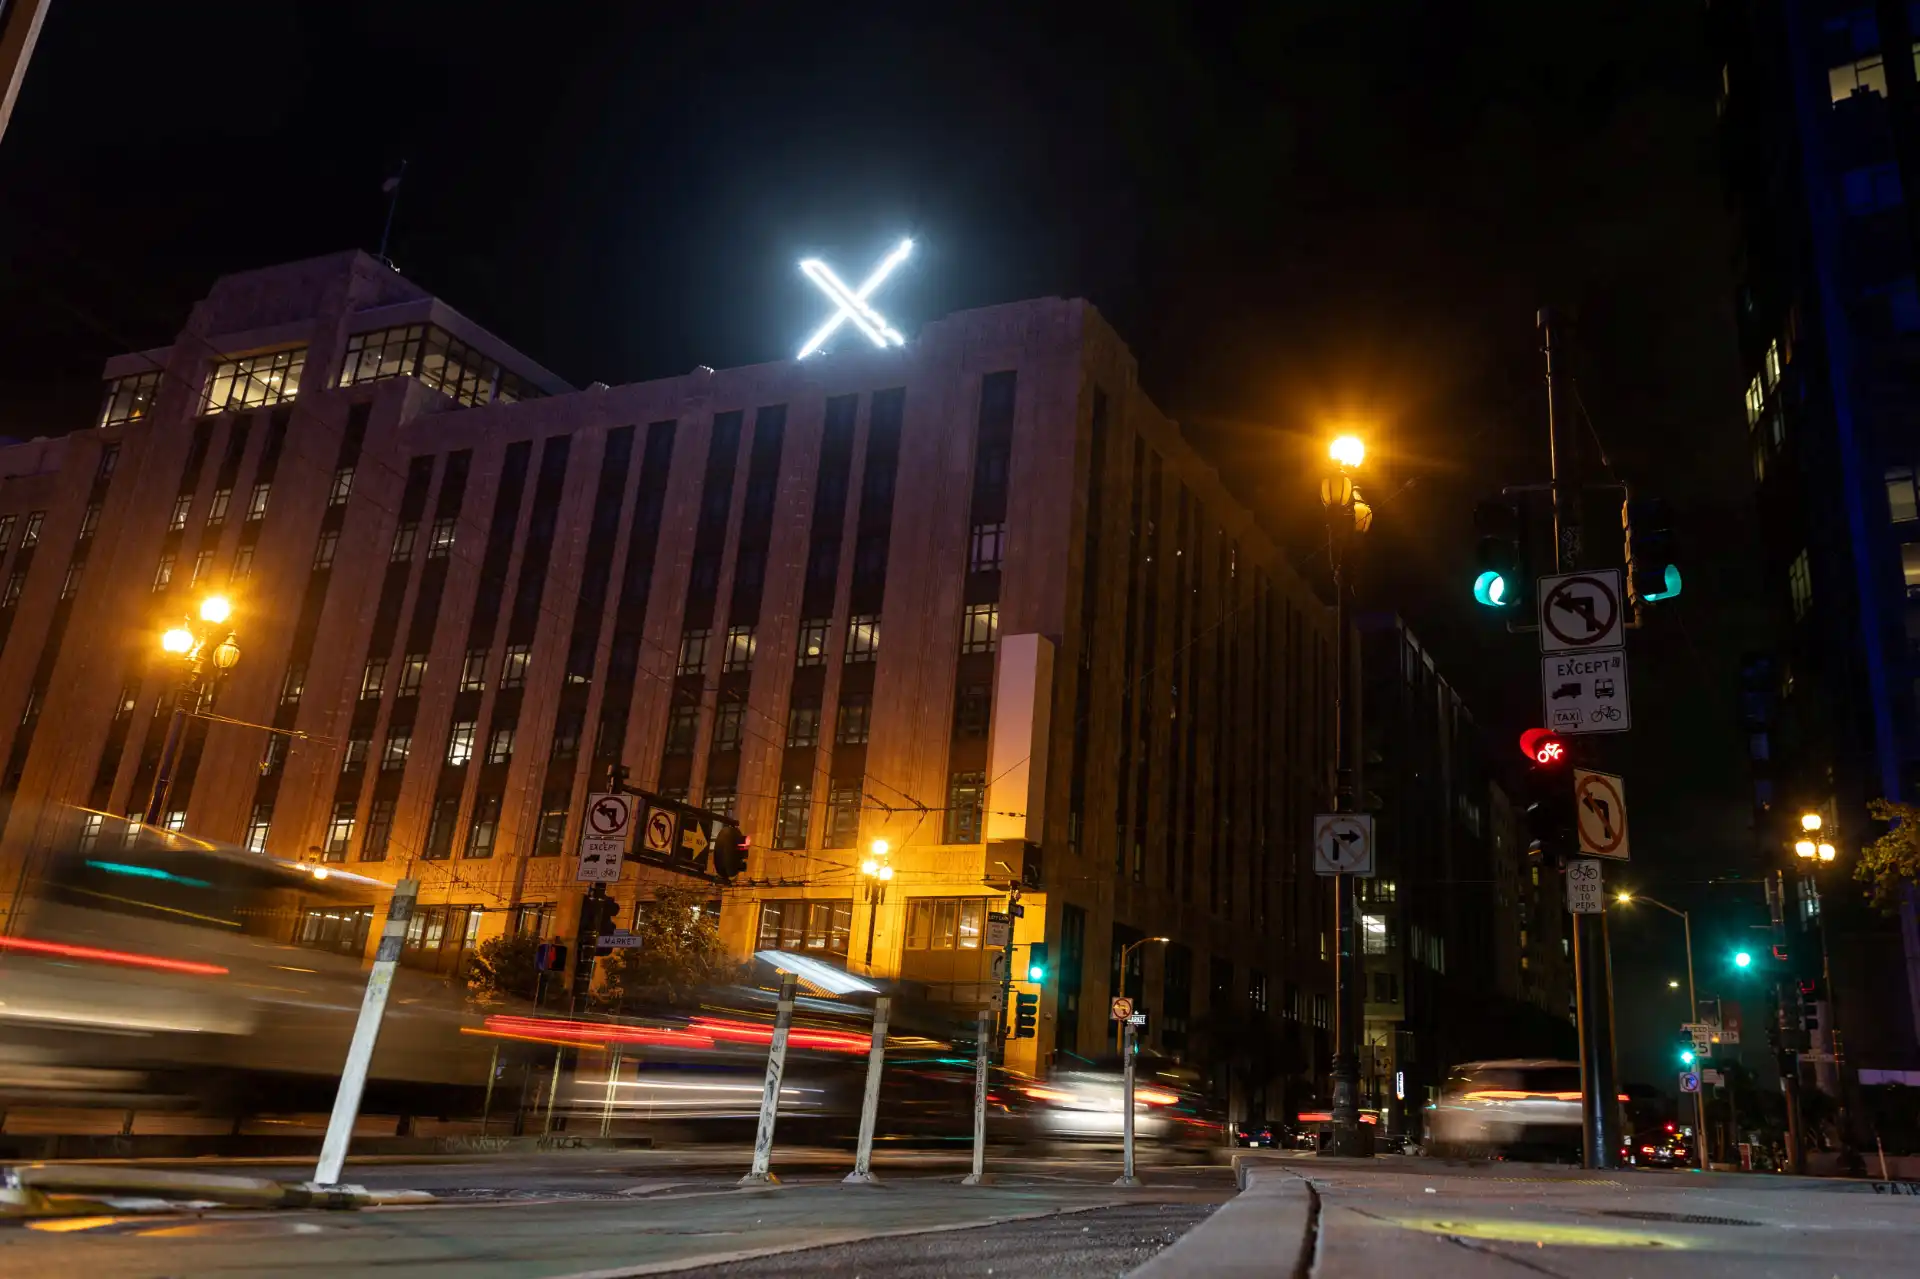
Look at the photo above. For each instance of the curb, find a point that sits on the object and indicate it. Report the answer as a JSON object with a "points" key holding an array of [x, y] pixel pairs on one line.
{"points": [[1266, 1230], [31, 1189]]}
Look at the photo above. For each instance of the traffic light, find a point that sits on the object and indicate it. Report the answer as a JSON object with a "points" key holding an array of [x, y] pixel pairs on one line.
{"points": [[1552, 820], [1501, 577], [1684, 1048], [1037, 961], [1026, 1016], [1651, 573], [1742, 959], [730, 853], [1810, 1003], [597, 916]]}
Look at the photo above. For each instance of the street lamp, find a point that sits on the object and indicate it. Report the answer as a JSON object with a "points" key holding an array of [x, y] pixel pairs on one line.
{"points": [[1693, 1013], [1810, 821], [193, 643], [878, 872], [1348, 515], [1126, 1058]]}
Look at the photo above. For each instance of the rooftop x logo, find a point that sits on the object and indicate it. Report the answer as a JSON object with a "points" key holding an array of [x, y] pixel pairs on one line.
{"points": [[853, 303]]}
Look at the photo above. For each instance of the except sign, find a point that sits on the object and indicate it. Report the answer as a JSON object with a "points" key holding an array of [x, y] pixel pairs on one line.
{"points": [[1600, 801], [1343, 844], [1122, 1008], [1586, 893], [603, 838], [1586, 692], [1580, 611]]}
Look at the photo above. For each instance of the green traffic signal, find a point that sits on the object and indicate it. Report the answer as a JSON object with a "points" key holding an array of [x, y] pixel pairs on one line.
{"points": [[1037, 961], [1491, 589], [1742, 959], [1686, 1056], [1672, 587]]}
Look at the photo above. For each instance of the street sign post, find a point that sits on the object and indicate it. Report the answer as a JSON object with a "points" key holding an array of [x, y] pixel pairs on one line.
{"points": [[1580, 611], [1586, 893], [1600, 804], [603, 838], [1343, 844], [1586, 692]]}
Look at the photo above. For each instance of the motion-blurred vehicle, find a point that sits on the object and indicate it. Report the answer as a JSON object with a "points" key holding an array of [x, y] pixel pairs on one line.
{"points": [[1517, 1108], [155, 969], [1085, 1102]]}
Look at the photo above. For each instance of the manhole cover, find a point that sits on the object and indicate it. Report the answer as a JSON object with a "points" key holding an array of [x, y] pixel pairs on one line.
{"points": [[1678, 1218]]}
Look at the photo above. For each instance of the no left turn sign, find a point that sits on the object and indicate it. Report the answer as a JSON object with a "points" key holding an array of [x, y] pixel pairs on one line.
{"points": [[1600, 802], [1580, 610]]}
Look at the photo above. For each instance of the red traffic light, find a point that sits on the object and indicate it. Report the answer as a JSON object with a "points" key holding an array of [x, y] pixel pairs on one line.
{"points": [[1543, 746]]}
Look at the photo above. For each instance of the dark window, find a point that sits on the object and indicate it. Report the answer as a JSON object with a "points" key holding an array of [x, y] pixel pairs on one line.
{"points": [[803, 725], [729, 724], [683, 726], [855, 720], [379, 830], [843, 814], [972, 706], [791, 815]]}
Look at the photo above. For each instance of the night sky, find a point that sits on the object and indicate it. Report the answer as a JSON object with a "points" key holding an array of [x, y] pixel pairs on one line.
{"points": [[1301, 214]]}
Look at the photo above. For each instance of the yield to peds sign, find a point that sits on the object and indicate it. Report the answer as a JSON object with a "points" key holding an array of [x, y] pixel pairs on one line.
{"points": [[1600, 802]]}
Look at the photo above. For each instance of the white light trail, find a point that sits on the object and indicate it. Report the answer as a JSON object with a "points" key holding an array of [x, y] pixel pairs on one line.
{"points": [[852, 303]]}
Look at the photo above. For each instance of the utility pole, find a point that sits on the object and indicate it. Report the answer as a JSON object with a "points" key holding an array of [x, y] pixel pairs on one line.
{"points": [[1599, 1093]]}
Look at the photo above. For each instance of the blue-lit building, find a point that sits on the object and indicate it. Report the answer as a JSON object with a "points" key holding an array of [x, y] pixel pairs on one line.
{"points": [[1820, 115]]}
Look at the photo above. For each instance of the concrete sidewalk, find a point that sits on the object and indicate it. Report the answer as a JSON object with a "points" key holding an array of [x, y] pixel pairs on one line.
{"points": [[1348, 1219]]}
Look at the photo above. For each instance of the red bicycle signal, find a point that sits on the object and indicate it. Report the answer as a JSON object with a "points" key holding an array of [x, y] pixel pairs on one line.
{"points": [[1543, 746]]}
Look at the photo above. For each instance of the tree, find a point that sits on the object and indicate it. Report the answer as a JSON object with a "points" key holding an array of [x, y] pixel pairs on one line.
{"points": [[680, 954], [1891, 863], [502, 969]]}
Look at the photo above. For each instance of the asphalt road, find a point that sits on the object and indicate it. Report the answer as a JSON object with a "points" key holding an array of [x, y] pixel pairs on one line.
{"points": [[607, 1213]]}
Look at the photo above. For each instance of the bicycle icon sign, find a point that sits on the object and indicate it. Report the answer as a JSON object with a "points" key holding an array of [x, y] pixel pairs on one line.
{"points": [[1586, 692]]}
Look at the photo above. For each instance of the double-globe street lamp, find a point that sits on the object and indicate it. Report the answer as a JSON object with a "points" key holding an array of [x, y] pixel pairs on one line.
{"points": [[877, 871], [196, 642], [1693, 1015], [1347, 517]]}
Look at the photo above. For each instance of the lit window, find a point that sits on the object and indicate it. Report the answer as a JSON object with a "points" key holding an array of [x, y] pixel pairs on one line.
{"points": [[342, 487], [354, 757], [1856, 79], [181, 505], [966, 797], [1800, 585], [693, 653], [460, 742], [163, 572], [413, 673], [980, 628], [324, 549], [217, 507], [403, 539], [813, 642], [30, 532], [484, 828], [255, 380], [500, 745], [340, 831], [399, 746], [1770, 365], [790, 816], [89, 521], [513, 670], [130, 398], [863, 637], [257, 501], [441, 545], [1373, 934], [431, 354], [373, 679], [988, 543], [723, 800], [90, 831], [739, 652], [1910, 566], [803, 725], [257, 827], [729, 724], [242, 563], [273, 755], [1756, 402], [683, 726], [800, 924], [1901, 503], [473, 671], [202, 565]]}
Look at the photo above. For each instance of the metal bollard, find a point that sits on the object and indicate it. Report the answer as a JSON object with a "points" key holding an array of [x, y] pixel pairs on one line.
{"points": [[762, 1173], [862, 1174], [979, 1176]]}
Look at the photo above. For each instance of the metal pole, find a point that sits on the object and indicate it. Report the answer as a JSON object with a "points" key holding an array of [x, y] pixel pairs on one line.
{"points": [[762, 1174], [862, 1174], [1598, 1091], [982, 1046], [613, 1085], [1693, 1016], [873, 914], [1345, 1138], [169, 755], [553, 1091], [366, 1032], [1126, 1106], [486, 1106]]}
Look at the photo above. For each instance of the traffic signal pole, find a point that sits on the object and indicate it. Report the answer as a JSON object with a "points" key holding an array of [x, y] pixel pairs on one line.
{"points": [[1599, 1091]]}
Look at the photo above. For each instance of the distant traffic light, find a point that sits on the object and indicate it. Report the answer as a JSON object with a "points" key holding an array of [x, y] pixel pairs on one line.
{"points": [[1685, 1047], [1026, 1016], [1500, 567], [1810, 1003], [1037, 961], [1651, 573], [1741, 959]]}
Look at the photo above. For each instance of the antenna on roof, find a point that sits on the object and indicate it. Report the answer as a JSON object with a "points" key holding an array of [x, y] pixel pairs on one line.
{"points": [[392, 188]]}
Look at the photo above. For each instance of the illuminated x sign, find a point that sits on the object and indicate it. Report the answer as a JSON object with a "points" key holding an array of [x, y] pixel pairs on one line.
{"points": [[853, 302]]}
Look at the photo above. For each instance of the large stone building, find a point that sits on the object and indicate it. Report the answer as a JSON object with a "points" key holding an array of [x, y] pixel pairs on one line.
{"points": [[974, 596]]}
